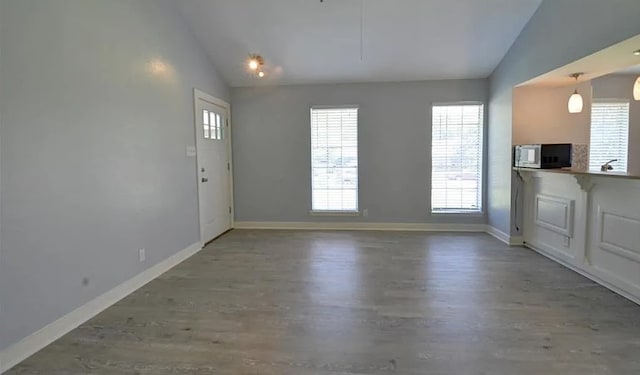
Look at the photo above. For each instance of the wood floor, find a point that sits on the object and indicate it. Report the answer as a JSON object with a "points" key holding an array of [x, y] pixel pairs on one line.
{"points": [[283, 302]]}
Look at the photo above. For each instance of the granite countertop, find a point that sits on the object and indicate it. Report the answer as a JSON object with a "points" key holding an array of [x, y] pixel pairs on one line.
{"points": [[580, 172]]}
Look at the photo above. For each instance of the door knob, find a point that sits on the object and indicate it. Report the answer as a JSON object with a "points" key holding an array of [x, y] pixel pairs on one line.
{"points": [[204, 179]]}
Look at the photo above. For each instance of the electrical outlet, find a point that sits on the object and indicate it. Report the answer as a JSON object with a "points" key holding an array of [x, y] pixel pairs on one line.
{"points": [[191, 151], [142, 255], [567, 241], [365, 212]]}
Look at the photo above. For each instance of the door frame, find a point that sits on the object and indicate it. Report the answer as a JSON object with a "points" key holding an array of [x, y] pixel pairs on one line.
{"points": [[201, 95]]}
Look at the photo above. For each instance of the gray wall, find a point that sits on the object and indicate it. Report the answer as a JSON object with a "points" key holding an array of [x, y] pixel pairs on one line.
{"points": [[271, 145], [560, 32], [97, 111]]}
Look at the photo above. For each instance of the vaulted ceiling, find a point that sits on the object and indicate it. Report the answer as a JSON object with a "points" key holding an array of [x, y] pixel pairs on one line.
{"points": [[313, 41]]}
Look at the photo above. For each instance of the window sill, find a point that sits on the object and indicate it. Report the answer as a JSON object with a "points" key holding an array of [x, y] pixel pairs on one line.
{"points": [[334, 213], [458, 212]]}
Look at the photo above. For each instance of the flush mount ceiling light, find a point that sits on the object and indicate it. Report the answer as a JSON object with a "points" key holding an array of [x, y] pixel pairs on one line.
{"points": [[575, 101], [637, 52], [256, 64]]}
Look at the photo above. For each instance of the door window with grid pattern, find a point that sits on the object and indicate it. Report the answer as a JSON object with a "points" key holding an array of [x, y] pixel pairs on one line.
{"points": [[212, 125]]}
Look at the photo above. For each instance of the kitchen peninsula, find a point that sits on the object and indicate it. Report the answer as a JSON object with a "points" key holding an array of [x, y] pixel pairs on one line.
{"points": [[588, 221]]}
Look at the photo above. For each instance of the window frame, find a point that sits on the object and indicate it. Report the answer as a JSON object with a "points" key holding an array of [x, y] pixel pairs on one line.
{"points": [[213, 125], [480, 212], [614, 101], [317, 212]]}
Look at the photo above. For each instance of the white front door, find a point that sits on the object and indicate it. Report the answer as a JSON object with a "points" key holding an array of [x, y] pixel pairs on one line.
{"points": [[213, 156]]}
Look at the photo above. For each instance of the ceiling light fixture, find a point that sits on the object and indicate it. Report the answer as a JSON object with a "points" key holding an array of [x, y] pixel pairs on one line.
{"points": [[256, 65], [255, 61], [575, 101], [636, 53]]}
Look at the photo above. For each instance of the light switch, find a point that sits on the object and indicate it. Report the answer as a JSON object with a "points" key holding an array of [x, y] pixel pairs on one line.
{"points": [[191, 151]]}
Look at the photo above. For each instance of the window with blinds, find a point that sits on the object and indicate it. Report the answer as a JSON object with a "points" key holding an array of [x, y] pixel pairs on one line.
{"points": [[334, 159], [609, 134], [456, 158]]}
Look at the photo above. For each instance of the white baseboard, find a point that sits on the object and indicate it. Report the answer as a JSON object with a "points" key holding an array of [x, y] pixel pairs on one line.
{"points": [[517, 241], [415, 227], [48, 334], [502, 236]]}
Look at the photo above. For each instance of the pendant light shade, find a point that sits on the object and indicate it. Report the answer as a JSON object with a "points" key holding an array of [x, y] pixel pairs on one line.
{"points": [[636, 89], [576, 103]]}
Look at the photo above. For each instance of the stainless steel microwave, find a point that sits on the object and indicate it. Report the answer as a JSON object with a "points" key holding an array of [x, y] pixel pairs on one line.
{"points": [[543, 156]]}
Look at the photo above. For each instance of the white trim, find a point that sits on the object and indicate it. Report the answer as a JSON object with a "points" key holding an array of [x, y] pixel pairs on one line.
{"points": [[480, 211], [517, 241], [416, 227], [505, 238], [457, 213], [586, 274], [201, 95], [468, 102], [409, 227], [333, 213], [312, 211], [343, 106], [230, 142], [31, 344], [568, 208]]}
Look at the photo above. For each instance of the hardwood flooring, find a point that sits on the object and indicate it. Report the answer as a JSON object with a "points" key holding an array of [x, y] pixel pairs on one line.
{"points": [[286, 302]]}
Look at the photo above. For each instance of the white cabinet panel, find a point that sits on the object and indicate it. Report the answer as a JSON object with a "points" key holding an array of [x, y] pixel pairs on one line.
{"points": [[589, 223], [555, 214], [619, 235], [614, 241], [550, 211]]}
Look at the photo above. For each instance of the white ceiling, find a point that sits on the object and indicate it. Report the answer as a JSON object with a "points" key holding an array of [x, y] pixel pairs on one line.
{"points": [[616, 59], [306, 41], [632, 70]]}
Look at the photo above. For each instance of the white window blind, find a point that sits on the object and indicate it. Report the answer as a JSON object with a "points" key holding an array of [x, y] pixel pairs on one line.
{"points": [[334, 159], [456, 158], [609, 134]]}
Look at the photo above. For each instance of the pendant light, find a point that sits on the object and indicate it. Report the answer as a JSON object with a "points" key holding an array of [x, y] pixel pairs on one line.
{"points": [[575, 101]]}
